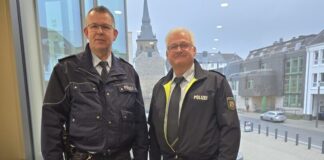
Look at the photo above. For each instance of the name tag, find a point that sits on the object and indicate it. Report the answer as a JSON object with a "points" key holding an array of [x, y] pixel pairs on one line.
{"points": [[200, 97]]}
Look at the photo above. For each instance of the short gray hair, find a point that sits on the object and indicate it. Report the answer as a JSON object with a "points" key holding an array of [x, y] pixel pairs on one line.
{"points": [[102, 9], [177, 30]]}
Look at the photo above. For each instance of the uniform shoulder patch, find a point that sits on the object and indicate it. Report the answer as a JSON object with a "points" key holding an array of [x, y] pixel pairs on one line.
{"points": [[214, 71], [67, 58], [231, 103]]}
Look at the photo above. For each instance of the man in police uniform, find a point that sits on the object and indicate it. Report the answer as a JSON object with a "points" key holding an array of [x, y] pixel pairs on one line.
{"points": [[96, 99], [201, 123]]}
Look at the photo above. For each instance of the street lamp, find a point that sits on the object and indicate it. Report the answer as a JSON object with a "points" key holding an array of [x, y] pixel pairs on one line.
{"points": [[318, 101]]}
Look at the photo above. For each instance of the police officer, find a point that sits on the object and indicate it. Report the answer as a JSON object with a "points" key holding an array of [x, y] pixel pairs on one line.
{"points": [[192, 114], [95, 98]]}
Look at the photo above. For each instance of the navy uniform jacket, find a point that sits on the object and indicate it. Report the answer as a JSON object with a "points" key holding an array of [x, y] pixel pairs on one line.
{"points": [[101, 117], [208, 126]]}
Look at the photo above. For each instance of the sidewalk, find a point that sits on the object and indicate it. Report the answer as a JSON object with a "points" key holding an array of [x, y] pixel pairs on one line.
{"points": [[302, 124], [259, 147]]}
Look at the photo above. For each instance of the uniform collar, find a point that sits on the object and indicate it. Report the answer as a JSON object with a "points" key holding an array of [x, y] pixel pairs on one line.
{"points": [[86, 62], [188, 75], [199, 73], [96, 60]]}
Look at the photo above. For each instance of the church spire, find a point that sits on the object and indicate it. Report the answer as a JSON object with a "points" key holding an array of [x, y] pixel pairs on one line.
{"points": [[146, 28]]}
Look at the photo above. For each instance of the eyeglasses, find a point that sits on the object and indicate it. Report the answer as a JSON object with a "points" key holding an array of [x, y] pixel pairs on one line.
{"points": [[182, 45], [104, 27]]}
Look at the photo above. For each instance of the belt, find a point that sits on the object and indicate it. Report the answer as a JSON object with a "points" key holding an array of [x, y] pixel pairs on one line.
{"points": [[86, 155]]}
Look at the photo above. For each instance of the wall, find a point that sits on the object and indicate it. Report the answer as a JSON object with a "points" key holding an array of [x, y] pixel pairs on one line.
{"points": [[11, 135]]}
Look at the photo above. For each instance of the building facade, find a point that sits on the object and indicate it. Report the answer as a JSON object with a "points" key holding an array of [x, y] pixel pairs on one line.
{"points": [[314, 88], [271, 77], [149, 65]]}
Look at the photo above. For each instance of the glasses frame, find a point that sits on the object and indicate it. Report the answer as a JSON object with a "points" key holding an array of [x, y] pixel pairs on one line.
{"points": [[103, 27], [182, 45]]}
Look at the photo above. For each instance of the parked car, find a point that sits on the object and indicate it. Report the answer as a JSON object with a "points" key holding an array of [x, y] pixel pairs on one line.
{"points": [[274, 116]]}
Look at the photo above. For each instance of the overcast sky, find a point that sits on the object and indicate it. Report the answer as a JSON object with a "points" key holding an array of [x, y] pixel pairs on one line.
{"points": [[247, 24]]}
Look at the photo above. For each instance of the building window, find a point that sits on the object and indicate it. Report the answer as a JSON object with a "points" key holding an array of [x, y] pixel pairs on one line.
{"points": [[233, 85], [61, 29], [322, 77], [287, 69], [250, 84], [149, 54], [294, 66], [322, 56], [263, 65], [316, 57], [314, 80]]}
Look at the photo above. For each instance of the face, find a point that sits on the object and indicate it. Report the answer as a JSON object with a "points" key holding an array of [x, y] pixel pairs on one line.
{"points": [[180, 50], [100, 33]]}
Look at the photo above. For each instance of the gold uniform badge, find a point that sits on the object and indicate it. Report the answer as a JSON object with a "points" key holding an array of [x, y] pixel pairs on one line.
{"points": [[231, 103]]}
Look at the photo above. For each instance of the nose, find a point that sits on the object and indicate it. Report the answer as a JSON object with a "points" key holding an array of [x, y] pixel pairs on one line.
{"points": [[100, 29]]}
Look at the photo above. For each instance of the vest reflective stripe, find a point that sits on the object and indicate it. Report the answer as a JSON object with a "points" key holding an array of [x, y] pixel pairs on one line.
{"points": [[167, 90]]}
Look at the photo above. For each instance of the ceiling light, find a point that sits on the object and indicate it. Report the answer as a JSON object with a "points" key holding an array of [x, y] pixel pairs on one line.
{"points": [[224, 5], [219, 26], [216, 39], [118, 12]]}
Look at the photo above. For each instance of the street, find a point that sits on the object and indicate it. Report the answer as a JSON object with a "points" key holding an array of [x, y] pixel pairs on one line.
{"points": [[256, 146], [316, 136]]}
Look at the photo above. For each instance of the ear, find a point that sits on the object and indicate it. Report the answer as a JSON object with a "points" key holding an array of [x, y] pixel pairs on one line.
{"points": [[86, 32], [115, 34], [195, 50]]}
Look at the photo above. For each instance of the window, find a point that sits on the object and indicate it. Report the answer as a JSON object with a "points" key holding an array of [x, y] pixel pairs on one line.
{"points": [[314, 80], [234, 85], [250, 84], [287, 68], [316, 57], [263, 65], [149, 54], [322, 77], [322, 56], [61, 29]]}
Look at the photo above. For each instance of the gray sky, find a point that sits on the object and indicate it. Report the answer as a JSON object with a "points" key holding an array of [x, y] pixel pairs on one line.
{"points": [[247, 24]]}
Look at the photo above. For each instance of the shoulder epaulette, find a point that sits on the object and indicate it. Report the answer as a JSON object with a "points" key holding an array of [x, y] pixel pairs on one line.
{"points": [[221, 74], [67, 58]]}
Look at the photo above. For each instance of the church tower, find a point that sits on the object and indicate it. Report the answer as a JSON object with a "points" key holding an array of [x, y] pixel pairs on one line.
{"points": [[149, 65], [146, 40]]}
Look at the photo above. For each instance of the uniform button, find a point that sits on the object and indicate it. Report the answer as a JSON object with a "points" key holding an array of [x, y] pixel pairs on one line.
{"points": [[73, 119], [122, 89], [98, 117], [176, 157], [75, 87], [109, 122], [107, 93], [125, 117], [94, 88], [108, 150]]}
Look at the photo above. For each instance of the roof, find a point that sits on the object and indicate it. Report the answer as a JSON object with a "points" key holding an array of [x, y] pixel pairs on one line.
{"points": [[318, 39], [294, 44]]}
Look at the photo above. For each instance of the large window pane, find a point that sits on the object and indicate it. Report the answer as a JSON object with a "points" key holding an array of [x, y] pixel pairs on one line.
{"points": [[60, 31], [118, 10]]}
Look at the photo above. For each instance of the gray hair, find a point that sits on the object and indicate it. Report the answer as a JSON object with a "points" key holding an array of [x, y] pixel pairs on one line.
{"points": [[177, 30], [102, 9]]}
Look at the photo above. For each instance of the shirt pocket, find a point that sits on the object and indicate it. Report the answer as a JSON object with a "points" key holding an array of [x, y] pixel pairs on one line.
{"points": [[85, 96], [126, 96]]}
